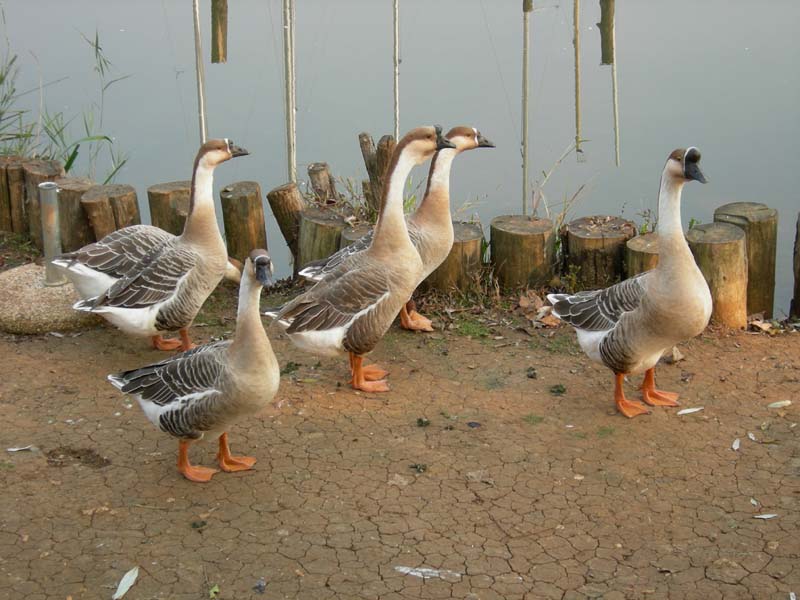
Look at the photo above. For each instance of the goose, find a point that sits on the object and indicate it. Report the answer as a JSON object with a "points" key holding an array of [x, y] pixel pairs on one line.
{"points": [[155, 282], [628, 326], [202, 392], [351, 308], [430, 227]]}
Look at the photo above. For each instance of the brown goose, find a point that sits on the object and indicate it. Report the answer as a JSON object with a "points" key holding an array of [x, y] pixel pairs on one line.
{"points": [[430, 227], [164, 280], [628, 326], [203, 391], [355, 303]]}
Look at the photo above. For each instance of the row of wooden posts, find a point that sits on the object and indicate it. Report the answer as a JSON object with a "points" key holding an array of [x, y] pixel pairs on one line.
{"points": [[736, 252]]}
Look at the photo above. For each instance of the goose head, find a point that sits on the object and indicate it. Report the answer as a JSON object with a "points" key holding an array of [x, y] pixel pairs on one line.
{"points": [[258, 267], [422, 143], [216, 152], [467, 138], [683, 165]]}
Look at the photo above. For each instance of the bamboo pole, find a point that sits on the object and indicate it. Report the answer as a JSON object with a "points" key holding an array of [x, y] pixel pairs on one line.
{"points": [[289, 89], [527, 7], [396, 69], [200, 72]]}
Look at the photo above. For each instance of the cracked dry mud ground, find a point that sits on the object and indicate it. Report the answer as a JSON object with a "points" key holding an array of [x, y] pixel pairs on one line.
{"points": [[550, 497]]}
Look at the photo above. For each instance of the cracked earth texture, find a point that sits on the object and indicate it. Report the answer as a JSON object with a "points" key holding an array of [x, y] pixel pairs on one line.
{"points": [[515, 492]]}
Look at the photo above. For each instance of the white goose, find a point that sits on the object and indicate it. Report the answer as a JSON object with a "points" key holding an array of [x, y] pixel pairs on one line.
{"points": [[628, 326], [430, 227], [202, 392], [350, 310], [149, 281]]}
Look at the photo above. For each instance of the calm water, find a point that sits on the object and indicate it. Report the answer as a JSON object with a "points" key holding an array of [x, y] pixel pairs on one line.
{"points": [[718, 74]]}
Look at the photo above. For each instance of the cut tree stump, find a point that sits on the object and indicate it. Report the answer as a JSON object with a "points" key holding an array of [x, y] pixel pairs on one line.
{"points": [[169, 205], [523, 251], [760, 225], [322, 183], [243, 215], [110, 207], [320, 234], [16, 196], [352, 234], [76, 230], [462, 267], [287, 204], [595, 250], [35, 172], [641, 254], [377, 161], [720, 251], [794, 310], [6, 220]]}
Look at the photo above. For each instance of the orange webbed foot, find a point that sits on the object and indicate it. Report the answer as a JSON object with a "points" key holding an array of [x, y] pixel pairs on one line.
{"points": [[367, 378], [655, 397], [191, 472], [371, 386], [373, 372], [159, 343], [629, 408], [230, 463]]}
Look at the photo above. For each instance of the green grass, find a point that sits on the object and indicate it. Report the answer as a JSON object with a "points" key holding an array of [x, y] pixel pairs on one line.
{"points": [[472, 329], [604, 432]]}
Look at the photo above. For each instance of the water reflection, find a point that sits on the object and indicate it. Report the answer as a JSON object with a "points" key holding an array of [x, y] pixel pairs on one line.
{"points": [[576, 42], [219, 31], [608, 56]]}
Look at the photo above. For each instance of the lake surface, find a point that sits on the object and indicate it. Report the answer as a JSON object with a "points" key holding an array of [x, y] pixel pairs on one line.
{"points": [[720, 75]]}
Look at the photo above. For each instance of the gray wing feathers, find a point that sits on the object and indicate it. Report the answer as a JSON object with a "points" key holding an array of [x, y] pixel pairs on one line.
{"points": [[346, 293], [155, 283], [318, 269], [122, 252], [599, 310]]}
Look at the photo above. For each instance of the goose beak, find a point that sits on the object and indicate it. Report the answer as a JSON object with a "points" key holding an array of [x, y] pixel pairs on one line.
{"points": [[237, 151], [264, 274], [484, 143], [441, 141], [692, 172]]}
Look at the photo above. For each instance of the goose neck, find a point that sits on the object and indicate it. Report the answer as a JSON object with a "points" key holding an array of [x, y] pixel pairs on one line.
{"points": [[391, 226], [201, 223], [435, 205]]}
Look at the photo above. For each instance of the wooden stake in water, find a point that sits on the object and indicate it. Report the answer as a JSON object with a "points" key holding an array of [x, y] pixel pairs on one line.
{"points": [[200, 72], [608, 53], [291, 104], [527, 7], [397, 69]]}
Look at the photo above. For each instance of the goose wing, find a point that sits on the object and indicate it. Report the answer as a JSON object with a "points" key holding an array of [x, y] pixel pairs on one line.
{"points": [[122, 252], [156, 282], [339, 299], [318, 269], [599, 310], [174, 391]]}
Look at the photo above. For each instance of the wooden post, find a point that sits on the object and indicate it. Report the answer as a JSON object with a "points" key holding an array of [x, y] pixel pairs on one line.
{"points": [[760, 225], [35, 172], [287, 204], [16, 196], [243, 215], [6, 221], [320, 234], [377, 161], [322, 183], [794, 309], [76, 231], [523, 251], [719, 250], [369, 197], [110, 207], [641, 254], [169, 205], [219, 31], [352, 234], [462, 267], [595, 250]]}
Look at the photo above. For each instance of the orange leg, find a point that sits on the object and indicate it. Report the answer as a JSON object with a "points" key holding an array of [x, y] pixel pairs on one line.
{"points": [[186, 343], [371, 372], [410, 319], [653, 396], [629, 408], [159, 343], [360, 381], [230, 463], [192, 473]]}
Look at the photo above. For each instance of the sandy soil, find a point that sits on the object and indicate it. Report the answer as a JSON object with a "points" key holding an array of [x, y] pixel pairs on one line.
{"points": [[477, 470]]}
